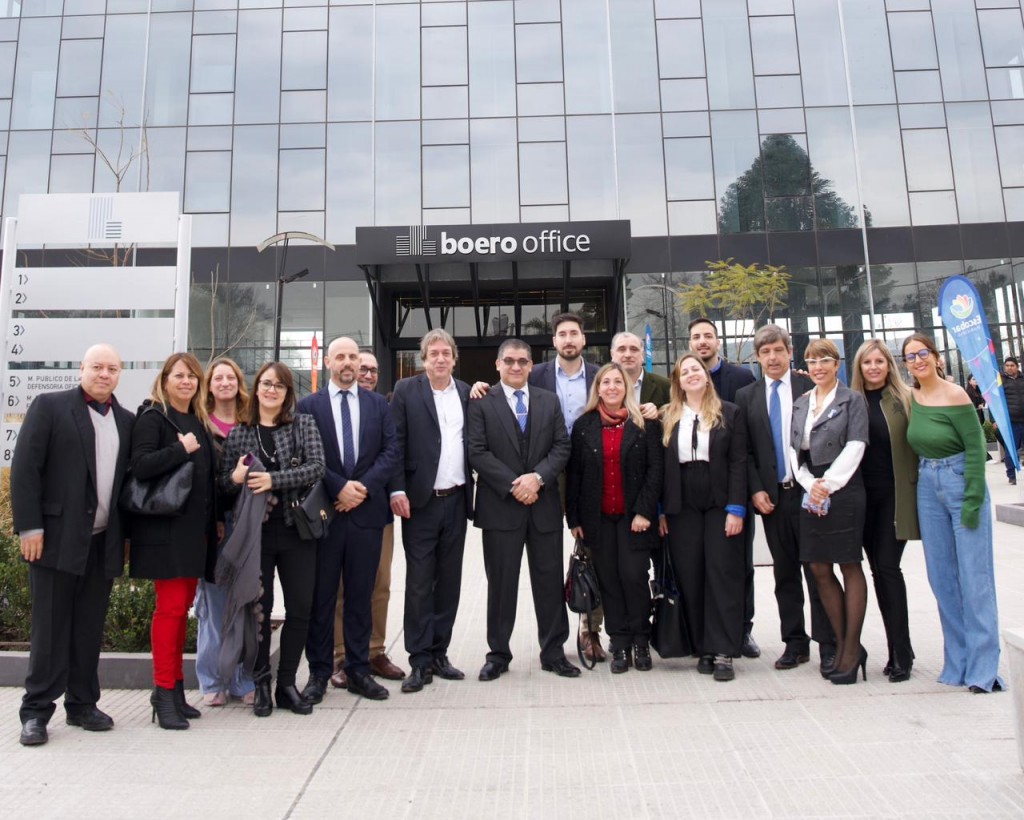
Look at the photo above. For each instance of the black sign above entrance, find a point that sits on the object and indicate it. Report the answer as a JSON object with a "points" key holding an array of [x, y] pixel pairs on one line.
{"points": [[425, 244]]}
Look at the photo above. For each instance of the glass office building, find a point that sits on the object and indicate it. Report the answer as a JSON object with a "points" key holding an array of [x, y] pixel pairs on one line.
{"points": [[873, 147]]}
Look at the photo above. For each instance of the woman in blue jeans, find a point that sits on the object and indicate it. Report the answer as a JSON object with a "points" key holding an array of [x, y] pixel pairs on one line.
{"points": [[955, 518]]}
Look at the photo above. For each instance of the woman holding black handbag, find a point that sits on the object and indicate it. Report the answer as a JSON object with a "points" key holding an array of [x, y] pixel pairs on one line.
{"points": [[290, 448], [174, 550], [612, 486]]}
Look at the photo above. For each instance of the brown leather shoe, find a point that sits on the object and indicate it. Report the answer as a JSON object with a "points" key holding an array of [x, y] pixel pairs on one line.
{"points": [[383, 668], [339, 680], [592, 650]]}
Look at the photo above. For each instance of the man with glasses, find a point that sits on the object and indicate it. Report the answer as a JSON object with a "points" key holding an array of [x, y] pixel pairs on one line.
{"points": [[518, 446], [361, 451], [380, 663]]}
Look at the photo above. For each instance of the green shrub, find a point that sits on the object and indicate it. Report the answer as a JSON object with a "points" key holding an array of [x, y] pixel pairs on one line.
{"points": [[990, 431]]}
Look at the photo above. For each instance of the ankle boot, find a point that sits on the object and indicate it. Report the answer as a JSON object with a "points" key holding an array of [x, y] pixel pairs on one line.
{"points": [[262, 705], [288, 697], [165, 709], [642, 658], [184, 709]]}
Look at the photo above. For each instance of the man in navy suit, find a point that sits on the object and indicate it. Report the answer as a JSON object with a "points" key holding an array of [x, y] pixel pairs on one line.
{"points": [[432, 491], [66, 477], [728, 378], [362, 452]]}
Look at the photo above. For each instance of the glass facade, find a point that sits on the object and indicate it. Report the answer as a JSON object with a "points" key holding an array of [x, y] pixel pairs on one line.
{"points": [[790, 132]]}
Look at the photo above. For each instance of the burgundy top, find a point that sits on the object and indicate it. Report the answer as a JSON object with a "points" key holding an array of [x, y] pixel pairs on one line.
{"points": [[613, 493]]}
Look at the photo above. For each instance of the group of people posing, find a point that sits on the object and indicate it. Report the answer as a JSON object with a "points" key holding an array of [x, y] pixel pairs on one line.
{"points": [[626, 459]]}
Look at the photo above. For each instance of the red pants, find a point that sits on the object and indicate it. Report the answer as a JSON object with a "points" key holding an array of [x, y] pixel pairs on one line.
{"points": [[174, 596]]}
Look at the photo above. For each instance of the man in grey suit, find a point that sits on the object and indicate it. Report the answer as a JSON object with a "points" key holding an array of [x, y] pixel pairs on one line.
{"points": [[518, 446]]}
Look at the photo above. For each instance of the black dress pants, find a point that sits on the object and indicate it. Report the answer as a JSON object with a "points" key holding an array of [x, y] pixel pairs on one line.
{"points": [[295, 562], [434, 537], [68, 612], [503, 556], [709, 566], [624, 580], [884, 553]]}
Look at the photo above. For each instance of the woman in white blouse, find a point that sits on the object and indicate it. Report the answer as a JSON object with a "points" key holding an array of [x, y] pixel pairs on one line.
{"points": [[827, 443]]}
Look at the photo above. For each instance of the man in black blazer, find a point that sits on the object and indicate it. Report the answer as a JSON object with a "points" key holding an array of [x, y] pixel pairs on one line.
{"points": [[651, 390], [66, 476], [432, 491], [349, 417], [518, 447], [777, 497], [728, 379]]}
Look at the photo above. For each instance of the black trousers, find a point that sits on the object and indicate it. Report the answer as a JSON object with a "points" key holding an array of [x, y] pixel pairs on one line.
{"points": [[709, 566], [68, 612], [353, 553], [295, 562], [624, 579], [434, 538], [884, 553], [503, 556], [782, 531]]}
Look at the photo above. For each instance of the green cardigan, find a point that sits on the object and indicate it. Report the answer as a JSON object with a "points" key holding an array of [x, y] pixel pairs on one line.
{"points": [[904, 468]]}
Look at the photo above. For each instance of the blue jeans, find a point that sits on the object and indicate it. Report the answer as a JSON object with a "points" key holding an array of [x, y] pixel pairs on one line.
{"points": [[960, 571], [209, 605]]}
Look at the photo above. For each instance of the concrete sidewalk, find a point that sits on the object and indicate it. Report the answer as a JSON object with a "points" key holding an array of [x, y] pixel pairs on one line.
{"points": [[667, 743]]}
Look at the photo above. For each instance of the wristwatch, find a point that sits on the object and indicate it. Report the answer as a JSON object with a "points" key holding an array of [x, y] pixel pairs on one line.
{"points": [[540, 479]]}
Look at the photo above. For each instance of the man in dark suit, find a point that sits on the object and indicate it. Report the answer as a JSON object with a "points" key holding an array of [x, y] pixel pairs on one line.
{"points": [[66, 477], [651, 390], [728, 378], [776, 496], [518, 446], [362, 452], [432, 491]]}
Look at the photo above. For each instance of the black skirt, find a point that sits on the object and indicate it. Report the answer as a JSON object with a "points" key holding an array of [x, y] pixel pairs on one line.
{"points": [[836, 538]]}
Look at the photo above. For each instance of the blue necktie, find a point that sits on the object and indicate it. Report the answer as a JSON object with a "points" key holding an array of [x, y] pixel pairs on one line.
{"points": [[521, 414], [349, 454], [775, 417]]}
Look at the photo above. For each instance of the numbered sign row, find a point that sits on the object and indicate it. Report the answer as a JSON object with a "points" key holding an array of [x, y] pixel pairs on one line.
{"points": [[138, 288], [45, 340]]}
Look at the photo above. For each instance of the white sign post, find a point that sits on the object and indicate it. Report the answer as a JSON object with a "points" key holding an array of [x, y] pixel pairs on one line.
{"points": [[51, 315]]}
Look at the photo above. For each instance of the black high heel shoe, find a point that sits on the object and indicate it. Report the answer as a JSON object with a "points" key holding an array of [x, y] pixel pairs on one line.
{"points": [[850, 675], [166, 710], [186, 710], [288, 697]]}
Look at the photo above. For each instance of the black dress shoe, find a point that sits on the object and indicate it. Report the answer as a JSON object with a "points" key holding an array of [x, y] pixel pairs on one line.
{"points": [[315, 688], [492, 670], [828, 664], [750, 649], [442, 667], [791, 659], [33, 732], [418, 677], [262, 705], [897, 673], [288, 697], [362, 683], [561, 667], [706, 664], [91, 719]]}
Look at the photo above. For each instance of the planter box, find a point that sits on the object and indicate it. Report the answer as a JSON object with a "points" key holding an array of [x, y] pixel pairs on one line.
{"points": [[118, 670], [1010, 514], [1014, 639]]}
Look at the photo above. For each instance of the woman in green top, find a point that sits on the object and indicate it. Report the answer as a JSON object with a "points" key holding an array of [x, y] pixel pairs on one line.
{"points": [[955, 519]]}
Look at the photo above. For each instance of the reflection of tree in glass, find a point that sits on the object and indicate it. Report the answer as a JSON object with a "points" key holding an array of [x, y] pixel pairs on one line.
{"points": [[781, 191], [237, 318]]}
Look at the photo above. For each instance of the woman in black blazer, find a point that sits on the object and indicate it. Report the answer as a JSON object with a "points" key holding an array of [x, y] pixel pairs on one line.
{"points": [[613, 481], [175, 551], [704, 501]]}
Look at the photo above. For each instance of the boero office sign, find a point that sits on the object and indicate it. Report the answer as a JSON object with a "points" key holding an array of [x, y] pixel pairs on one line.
{"points": [[493, 243]]}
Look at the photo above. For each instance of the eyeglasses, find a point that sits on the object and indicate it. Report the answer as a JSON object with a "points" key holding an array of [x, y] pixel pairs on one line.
{"points": [[824, 361], [363, 371], [508, 361], [267, 386], [923, 355]]}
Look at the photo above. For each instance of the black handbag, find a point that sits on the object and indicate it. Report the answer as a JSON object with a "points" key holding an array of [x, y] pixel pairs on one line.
{"points": [[313, 511], [582, 592], [164, 495], [670, 636]]}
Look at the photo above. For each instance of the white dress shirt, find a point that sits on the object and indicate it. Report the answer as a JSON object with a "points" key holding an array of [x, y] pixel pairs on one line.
{"points": [[845, 464], [686, 438], [786, 399], [451, 467], [510, 396], [353, 407]]}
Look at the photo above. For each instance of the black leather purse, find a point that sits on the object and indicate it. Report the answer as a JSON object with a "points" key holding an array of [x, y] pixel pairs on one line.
{"points": [[166, 494], [313, 511], [582, 593]]}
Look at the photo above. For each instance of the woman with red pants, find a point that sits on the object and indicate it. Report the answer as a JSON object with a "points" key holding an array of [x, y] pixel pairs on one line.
{"points": [[175, 551]]}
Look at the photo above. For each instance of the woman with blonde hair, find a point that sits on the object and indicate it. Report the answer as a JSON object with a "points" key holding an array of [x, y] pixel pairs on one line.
{"points": [[827, 442], [889, 472], [704, 501], [613, 482], [174, 550]]}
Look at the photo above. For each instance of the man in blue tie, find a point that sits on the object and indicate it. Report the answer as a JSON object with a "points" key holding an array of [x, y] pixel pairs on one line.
{"points": [[362, 452], [768, 404]]}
